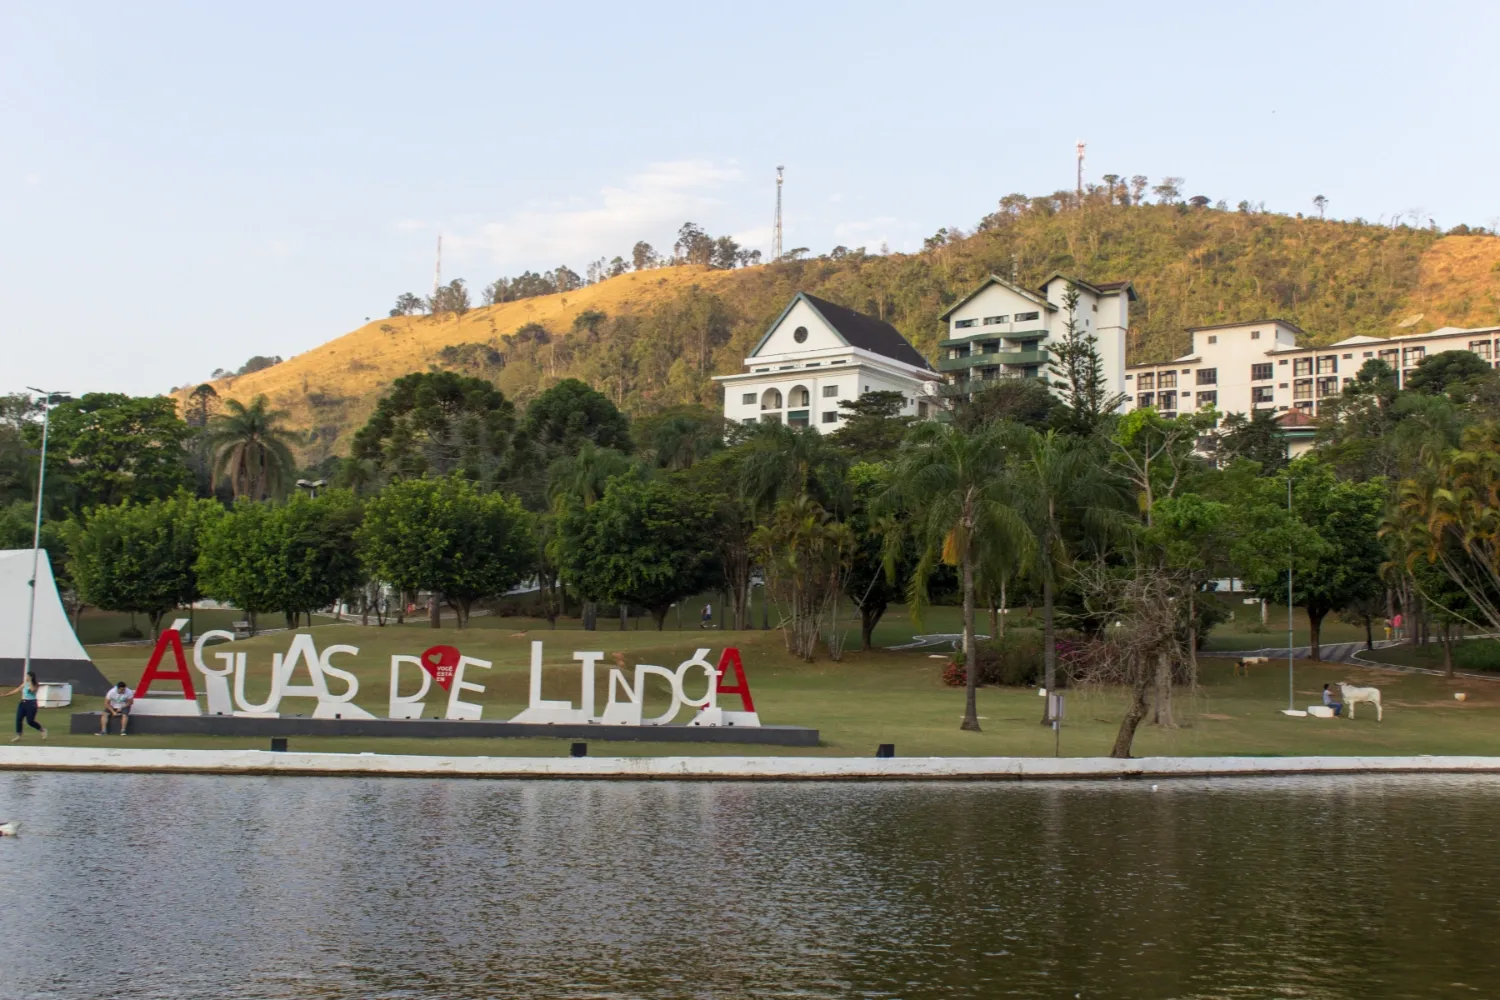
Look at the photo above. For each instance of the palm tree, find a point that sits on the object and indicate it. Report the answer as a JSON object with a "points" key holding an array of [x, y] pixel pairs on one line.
{"points": [[250, 449], [1064, 493], [582, 478], [782, 463], [957, 493]]}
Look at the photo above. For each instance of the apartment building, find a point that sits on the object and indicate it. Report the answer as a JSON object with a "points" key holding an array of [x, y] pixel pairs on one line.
{"points": [[1001, 330], [817, 354], [1242, 367]]}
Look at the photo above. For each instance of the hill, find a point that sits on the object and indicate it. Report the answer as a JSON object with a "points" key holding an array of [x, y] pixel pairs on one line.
{"points": [[651, 339]]}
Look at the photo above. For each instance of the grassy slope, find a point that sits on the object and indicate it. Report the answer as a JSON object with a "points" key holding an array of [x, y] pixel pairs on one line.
{"points": [[879, 697], [670, 330]]}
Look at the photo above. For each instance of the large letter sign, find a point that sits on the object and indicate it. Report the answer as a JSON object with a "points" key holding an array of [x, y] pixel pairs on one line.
{"points": [[303, 672]]}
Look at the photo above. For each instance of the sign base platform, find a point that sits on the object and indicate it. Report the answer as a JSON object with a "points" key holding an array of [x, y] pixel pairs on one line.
{"points": [[306, 725]]}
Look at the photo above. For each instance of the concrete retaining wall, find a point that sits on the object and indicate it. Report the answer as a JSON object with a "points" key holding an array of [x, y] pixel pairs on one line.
{"points": [[109, 758]]}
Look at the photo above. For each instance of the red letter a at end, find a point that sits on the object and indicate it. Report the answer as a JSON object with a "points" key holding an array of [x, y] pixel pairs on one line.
{"points": [[741, 684]]}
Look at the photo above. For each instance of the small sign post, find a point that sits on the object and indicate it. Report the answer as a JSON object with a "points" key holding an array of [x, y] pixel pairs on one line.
{"points": [[1055, 715]]}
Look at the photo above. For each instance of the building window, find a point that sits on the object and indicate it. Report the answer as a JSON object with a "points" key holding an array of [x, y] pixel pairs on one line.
{"points": [[1328, 386], [1208, 376], [1166, 380], [830, 417], [995, 320], [800, 335], [1348, 357], [1262, 394], [830, 392], [1302, 366], [1213, 338], [1369, 354], [1254, 334], [1328, 364], [1281, 385], [841, 361], [1169, 401], [1146, 381], [1413, 355], [922, 410], [1207, 399], [964, 324], [1304, 407], [1261, 372], [1302, 389], [749, 420], [762, 369], [1391, 357], [797, 418], [1282, 361], [1027, 317], [1481, 348], [770, 399], [1146, 399], [748, 399]]}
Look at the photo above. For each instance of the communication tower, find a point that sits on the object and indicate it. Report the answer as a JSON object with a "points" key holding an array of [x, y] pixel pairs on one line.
{"points": [[776, 230], [1081, 145]]}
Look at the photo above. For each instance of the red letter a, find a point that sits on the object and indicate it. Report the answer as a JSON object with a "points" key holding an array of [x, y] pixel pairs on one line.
{"points": [[741, 684], [172, 638]]}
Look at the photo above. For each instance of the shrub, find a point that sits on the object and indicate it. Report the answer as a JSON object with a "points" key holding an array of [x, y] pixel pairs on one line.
{"points": [[1477, 654], [1012, 661]]}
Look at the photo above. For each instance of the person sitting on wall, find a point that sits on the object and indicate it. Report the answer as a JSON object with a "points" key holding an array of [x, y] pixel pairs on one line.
{"points": [[1337, 706], [116, 706]]}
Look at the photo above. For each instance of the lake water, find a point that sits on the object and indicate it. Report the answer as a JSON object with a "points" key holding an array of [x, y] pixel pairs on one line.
{"points": [[202, 886]]}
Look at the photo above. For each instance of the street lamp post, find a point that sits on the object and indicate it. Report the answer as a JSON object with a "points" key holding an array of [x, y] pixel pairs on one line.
{"points": [[36, 531], [312, 485], [1291, 695]]}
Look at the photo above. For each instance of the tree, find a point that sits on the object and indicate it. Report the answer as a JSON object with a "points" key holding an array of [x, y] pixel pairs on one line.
{"points": [[956, 495], [693, 246], [679, 436], [202, 403], [582, 479], [294, 558], [877, 575], [588, 323], [719, 478], [1320, 203], [140, 557], [1257, 438], [116, 447], [1331, 538], [1199, 201], [646, 543], [1081, 384], [249, 448], [725, 255], [1068, 502], [570, 413], [437, 423], [1169, 190], [408, 304], [804, 551], [1019, 400], [1449, 373], [450, 298], [781, 463], [1138, 188], [446, 537], [642, 255], [873, 425], [1154, 453]]}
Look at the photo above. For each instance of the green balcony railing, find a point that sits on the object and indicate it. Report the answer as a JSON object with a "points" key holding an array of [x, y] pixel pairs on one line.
{"points": [[1037, 356]]}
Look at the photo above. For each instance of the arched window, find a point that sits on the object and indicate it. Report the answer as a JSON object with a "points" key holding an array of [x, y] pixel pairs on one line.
{"points": [[770, 399], [799, 396]]}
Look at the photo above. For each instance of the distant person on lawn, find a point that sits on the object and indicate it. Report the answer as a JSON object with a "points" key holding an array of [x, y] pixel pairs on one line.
{"points": [[708, 616], [1337, 706], [26, 708], [117, 706]]}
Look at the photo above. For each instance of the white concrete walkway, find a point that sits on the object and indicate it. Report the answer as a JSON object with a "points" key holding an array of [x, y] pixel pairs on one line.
{"points": [[45, 758]]}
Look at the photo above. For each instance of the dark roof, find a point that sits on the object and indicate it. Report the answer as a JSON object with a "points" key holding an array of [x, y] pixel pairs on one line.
{"points": [[867, 333], [1100, 287]]}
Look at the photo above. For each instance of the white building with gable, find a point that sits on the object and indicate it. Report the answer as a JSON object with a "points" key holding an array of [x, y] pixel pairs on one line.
{"points": [[816, 354], [1001, 330]]}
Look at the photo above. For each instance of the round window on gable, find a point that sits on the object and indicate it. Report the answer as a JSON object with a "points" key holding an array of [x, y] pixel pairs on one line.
{"points": [[800, 334]]}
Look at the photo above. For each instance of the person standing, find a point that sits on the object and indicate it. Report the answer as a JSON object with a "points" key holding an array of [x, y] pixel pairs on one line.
{"points": [[26, 709], [707, 620]]}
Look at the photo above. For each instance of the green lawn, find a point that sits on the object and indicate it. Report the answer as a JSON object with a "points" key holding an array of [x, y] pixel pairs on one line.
{"points": [[869, 698]]}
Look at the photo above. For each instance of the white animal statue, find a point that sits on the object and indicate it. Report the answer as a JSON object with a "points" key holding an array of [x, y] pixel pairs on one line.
{"points": [[9, 829], [1354, 694]]}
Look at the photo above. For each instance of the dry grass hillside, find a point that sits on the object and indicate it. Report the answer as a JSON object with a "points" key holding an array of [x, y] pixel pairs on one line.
{"points": [[657, 337], [329, 391]]}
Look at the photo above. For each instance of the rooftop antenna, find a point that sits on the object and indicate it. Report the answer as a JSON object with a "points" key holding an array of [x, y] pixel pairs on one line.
{"points": [[437, 274], [776, 230], [1081, 146]]}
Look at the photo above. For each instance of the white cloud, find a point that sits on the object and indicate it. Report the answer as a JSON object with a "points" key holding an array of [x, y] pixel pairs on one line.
{"points": [[648, 205], [33, 179]]}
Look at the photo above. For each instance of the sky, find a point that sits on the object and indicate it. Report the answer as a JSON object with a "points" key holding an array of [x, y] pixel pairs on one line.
{"points": [[185, 185]]}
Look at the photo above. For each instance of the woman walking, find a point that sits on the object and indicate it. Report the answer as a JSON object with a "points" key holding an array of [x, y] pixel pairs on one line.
{"points": [[26, 710]]}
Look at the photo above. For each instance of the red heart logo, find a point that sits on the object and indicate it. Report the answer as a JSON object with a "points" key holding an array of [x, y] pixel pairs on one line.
{"points": [[440, 662]]}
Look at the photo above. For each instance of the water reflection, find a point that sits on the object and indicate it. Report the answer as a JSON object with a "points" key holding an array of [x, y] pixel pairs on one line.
{"points": [[187, 886]]}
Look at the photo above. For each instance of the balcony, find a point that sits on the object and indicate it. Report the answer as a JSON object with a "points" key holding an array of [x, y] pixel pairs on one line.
{"points": [[991, 333], [1037, 356]]}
